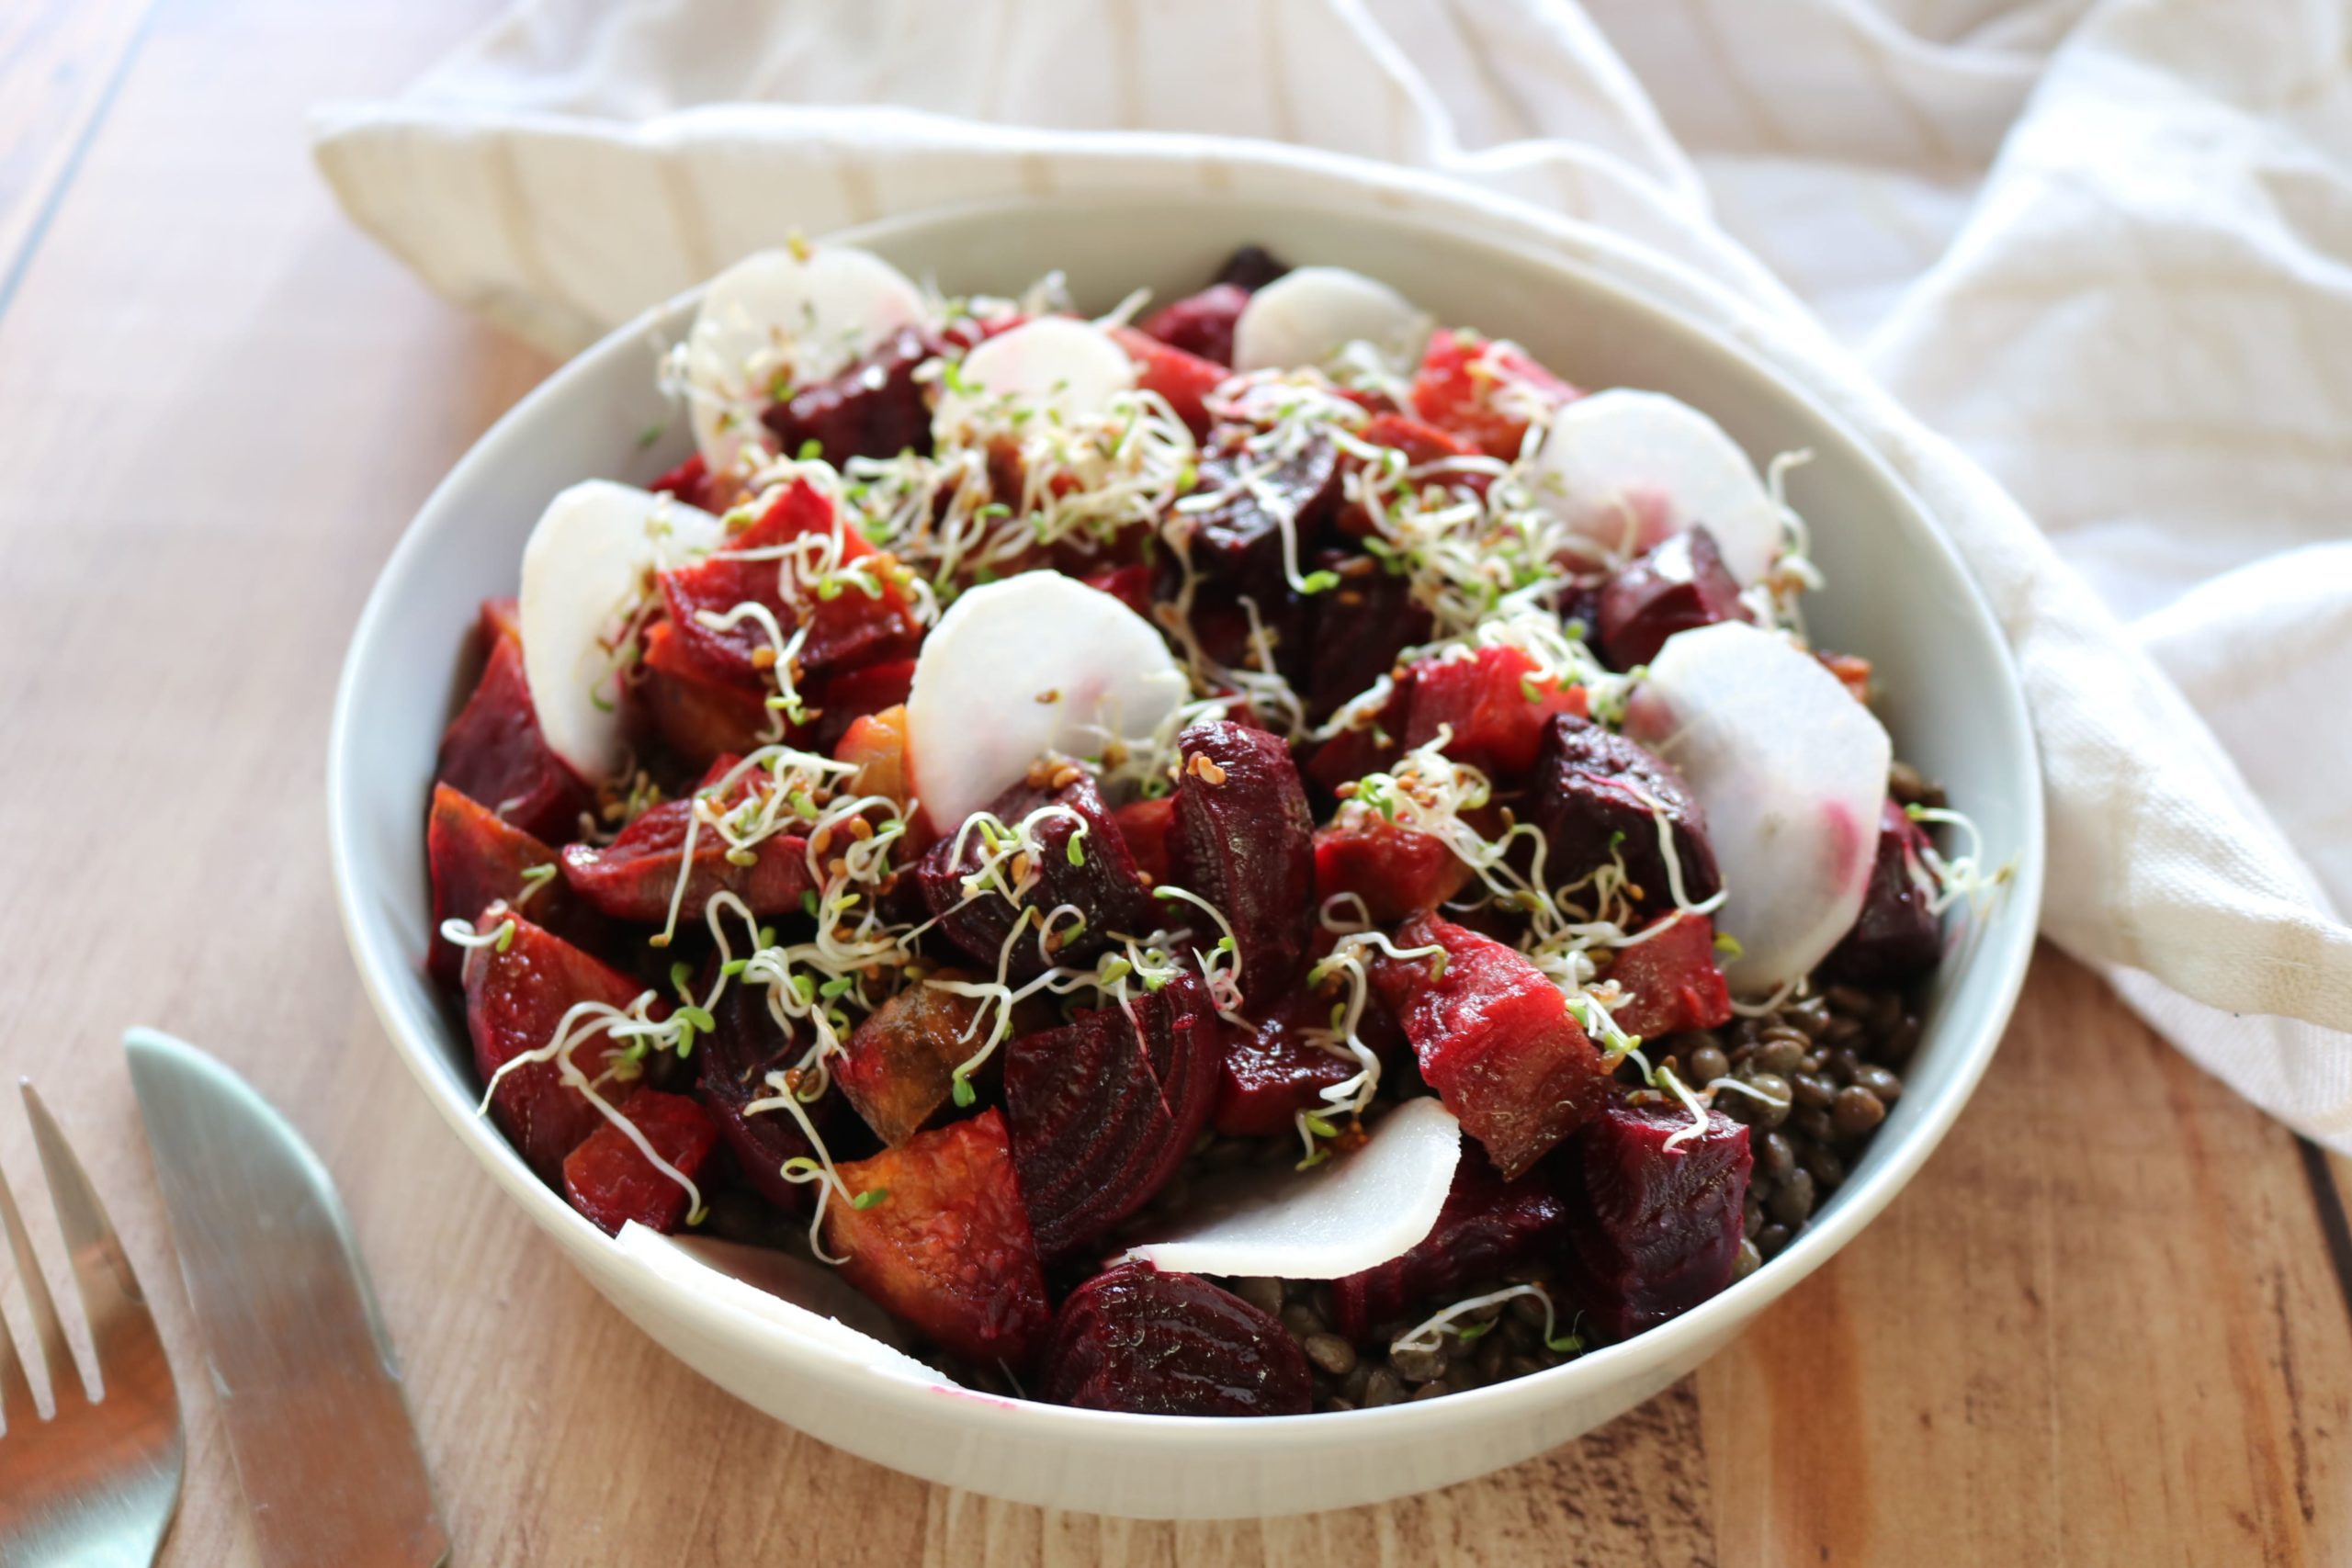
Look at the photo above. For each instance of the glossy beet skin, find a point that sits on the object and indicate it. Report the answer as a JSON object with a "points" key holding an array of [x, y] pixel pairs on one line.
{"points": [[732, 1064], [1493, 705], [943, 1242], [874, 408], [1671, 979], [493, 752], [1104, 1109], [1237, 544], [1897, 938], [1153, 1342], [1488, 1227], [897, 1068], [1266, 1079], [1397, 871], [1495, 1041], [1679, 585], [635, 877], [1654, 1231], [1591, 795], [696, 718], [1201, 324], [476, 860], [1245, 841], [608, 1179], [514, 1000], [1362, 628], [1103, 886]]}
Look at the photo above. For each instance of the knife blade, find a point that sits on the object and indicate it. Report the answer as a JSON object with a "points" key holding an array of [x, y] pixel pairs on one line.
{"points": [[302, 1371]]}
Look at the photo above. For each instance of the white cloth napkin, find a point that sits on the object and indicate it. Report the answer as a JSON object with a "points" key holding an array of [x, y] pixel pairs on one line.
{"points": [[2103, 248]]}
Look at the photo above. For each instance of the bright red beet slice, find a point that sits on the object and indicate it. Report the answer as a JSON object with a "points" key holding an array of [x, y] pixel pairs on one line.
{"points": [[1655, 1230], [1245, 841], [1201, 323], [1672, 979], [1148, 826], [492, 751], [852, 628], [874, 408], [1265, 1080], [943, 1241], [1452, 395], [1495, 1041], [476, 860], [1493, 703], [697, 719], [899, 1067], [1182, 377], [1104, 1109], [1592, 794], [636, 875], [609, 1179], [1897, 938], [1487, 1228], [1102, 885], [514, 1000], [1396, 871], [1154, 1342], [1680, 584]]}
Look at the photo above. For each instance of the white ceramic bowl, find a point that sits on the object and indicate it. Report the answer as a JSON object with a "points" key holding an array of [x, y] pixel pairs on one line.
{"points": [[1896, 592]]}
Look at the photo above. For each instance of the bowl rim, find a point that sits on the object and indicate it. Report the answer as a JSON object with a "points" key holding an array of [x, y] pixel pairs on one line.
{"points": [[2005, 941]]}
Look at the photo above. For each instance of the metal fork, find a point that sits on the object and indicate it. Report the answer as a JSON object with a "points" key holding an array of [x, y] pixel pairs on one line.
{"points": [[95, 1485]]}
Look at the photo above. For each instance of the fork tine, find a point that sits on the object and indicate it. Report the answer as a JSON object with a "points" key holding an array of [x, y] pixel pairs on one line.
{"points": [[17, 1407], [112, 1303], [65, 1386]]}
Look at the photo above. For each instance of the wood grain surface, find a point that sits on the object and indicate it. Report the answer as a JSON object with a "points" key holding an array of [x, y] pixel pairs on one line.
{"points": [[2111, 1322]]}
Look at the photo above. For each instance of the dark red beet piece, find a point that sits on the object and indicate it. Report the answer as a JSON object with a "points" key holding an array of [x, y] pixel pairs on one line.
{"points": [[1654, 1231], [492, 751], [690, 482], [874, 408], [1493, 704], [476, 860], [855, 693], [1103, 886], [1495, 1041], [1897, 938], [1130, 585], [1237, 544], [1361, 628], [635, 877], [849, 629], [734, 1060], [1103, 1110], [1146, 825], [1154, 1342], [1487, 1228], [1267, 1079], [943, 1241], [1396, 871], [1591, 796], [1680, 584], [514, 1000], [1184, 379], [1671, 979], [608, 1179], [1201, 324], [1452, 395], [696, 718], [1251, 267], [1245, 841]]}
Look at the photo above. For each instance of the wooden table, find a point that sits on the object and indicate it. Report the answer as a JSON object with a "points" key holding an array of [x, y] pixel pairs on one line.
{"points": [[2110, 1323]]}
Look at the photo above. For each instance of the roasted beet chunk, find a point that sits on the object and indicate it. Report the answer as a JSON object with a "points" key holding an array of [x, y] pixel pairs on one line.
{"points": [[635, 876], [1251, 267], [1157, 1343], [1097, 878], [1596, 793], [492, 751], [1483, 390], [1396, 871], [1267, 1079], [1494, 1039], [1245, 841], [874, 408], [1491, 704], [1184, 379], [1237, 543], [1201, 324], [1680, 584], [1487, 1228], [1104, 1108], [1671, 978], [1360, 627], [1897, 938], [899, 1067], [936, 1233], [609, 1179], [516, 995], [476, 860], [734, 1061], [1655, 1225], [696, 717]]}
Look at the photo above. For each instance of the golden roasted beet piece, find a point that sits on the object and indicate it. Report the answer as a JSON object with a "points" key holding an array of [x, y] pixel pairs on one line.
{"points": [[1155, 1342], [493, 752], [899, 1067], [1670, 977], [876, 742], [1596, 794], [1653, 1222], [1096, 877], [937, 1234], [476, 860], [1487, 1228], [609, 1179], [1245, 841]]}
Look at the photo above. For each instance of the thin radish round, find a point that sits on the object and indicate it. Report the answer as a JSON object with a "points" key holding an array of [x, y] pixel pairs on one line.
{"points": [[1791, 772], [1038, 663], [1054, 367], [587, 570], [1311, 313], [775, 320], [1355, 1213], [1629, 469]]}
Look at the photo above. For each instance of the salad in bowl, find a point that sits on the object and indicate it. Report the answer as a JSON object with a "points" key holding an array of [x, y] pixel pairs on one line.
{"points": [[1256, 855]]}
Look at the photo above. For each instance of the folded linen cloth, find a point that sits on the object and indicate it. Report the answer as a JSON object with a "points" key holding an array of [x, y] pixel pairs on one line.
{"points": [[2103, 248]]}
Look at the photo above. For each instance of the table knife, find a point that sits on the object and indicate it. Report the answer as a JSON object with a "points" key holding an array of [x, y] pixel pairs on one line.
{"points": [[301, 1369]]}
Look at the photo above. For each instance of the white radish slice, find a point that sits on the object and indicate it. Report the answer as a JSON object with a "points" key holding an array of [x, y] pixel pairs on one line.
{"points": [[1628, 469], [1311, 313], [586, 572], [1791, 772], [1037, 663], [1352, 1213], [777, 318], [816, 1306], [1054, 367]]}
